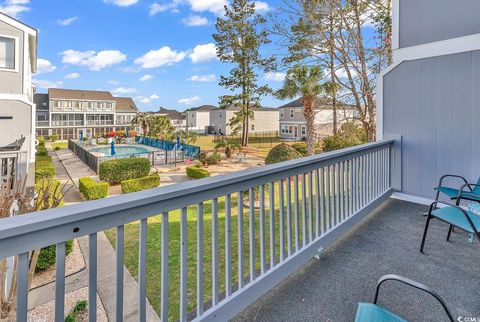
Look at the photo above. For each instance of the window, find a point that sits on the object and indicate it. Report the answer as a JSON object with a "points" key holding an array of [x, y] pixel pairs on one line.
{"points": [[282, 114], [292, 112], [253, 127], [44, 104], [304, 130], [7, 53]]}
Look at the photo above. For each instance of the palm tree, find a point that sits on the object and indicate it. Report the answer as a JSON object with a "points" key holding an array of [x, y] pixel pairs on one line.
{"points": [[227, 147], [141, 119], [304, 81]]}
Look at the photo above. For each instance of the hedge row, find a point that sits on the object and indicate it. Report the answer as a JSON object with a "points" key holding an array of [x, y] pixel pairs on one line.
{"points": [[118, 170], [197, 173], [48, 254], [44, 167], [133, 185], [92, 190], [41, 150]]}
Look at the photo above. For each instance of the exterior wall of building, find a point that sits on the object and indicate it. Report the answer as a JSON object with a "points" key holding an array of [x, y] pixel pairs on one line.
{"points": [[434, 104], [20, 124], [218, 121], [12, 80], [264, 121], [419, 24], [198, 120]]}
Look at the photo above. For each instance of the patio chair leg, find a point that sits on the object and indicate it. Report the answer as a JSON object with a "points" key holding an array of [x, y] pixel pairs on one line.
{"points": [[449, 232], [425, 232]]}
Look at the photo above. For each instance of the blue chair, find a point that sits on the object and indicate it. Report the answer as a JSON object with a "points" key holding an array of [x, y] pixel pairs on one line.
{"points": [[368, 312], [455, 216], [467, 191]]}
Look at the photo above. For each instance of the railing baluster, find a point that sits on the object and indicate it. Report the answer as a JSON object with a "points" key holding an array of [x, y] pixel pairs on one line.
{"points": [[317, 203], [350, 185], [323, 209], [297, 227], [310, 207], [282, 222], [228, 245], [251, 219], [22, 286], [200, 259], [328, 191], [355, 185], [304, 210], [119, 249], [336, 194], [92, 277], [341, 189], [60, 282], [272, 225], [289, 216], [240, 240], [262, 229], [364, 180], [164, 267], [183, 265], [215, 286]]}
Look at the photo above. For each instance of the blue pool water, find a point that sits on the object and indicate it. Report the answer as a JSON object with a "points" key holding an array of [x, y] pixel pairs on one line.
{"points": [[120, 150]]}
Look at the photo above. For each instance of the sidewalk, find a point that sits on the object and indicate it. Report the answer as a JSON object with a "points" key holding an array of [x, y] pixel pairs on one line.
{"points": [[69, 170]]}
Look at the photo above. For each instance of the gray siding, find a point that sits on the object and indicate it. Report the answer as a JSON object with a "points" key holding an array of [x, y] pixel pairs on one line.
{"points": [[20, 124], [434, 104], [12, 81], [425, 21]]}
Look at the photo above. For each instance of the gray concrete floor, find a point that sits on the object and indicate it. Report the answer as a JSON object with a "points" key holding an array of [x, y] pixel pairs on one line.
{"points": [[388, 241]]}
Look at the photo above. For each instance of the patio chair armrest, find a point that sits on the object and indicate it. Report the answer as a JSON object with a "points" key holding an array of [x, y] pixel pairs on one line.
{"points": [[470, 186], [417, 285], [450, 176]]}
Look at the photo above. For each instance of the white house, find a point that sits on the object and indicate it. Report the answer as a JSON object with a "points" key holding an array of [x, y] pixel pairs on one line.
{"points": [[265, 120], [198, 118], [292, 125]]}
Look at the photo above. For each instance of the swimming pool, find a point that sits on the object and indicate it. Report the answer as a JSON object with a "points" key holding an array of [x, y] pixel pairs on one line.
{"points": [[120, 150]]}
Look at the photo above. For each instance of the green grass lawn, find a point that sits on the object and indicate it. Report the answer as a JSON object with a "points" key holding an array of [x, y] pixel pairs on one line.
{"points": [[61, 145], [154, 251]]}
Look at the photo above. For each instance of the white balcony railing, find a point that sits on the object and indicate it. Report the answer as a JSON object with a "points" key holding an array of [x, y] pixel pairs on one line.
{"points": [[303, 206]]}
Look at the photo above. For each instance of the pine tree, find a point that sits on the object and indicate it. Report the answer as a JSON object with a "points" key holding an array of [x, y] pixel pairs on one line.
{"points": [[239, 38]]}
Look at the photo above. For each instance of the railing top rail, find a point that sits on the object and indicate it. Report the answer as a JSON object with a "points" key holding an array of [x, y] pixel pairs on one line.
{"points": [[134, 206]]}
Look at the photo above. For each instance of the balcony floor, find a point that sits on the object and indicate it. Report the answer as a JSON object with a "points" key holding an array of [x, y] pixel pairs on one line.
{"points": [[387, 241]]}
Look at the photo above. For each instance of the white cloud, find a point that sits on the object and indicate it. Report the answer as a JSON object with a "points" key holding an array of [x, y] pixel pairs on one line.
{"points": [[72, 76], [15, 7], [113, 82], [160, 57], [202, 53], [190, 100], [202, 78], [123, 90], [147, 100], [342, 73], [121, 3], [43, 83], [158, 8], [214, 6], [93, 60], [261, 6], [275, 76], [195, 21], [66, 22], [145, 78], [44, 66]]}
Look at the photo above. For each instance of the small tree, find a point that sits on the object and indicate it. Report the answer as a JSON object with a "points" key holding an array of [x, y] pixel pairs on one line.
{"points": [[227, 147], [161, 127], [141, 119], [304, 81]]}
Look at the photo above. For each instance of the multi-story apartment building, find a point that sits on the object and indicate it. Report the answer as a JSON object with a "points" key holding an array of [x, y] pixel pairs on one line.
{"points": [[265, 119], [18, 60], [67, 113], [198, 118], [292, 125], [178, 119]]}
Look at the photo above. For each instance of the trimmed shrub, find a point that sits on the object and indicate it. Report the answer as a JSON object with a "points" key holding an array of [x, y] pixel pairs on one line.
{"points": [[214, 158], [202, 157], [116, 171], [133, 185], [57, 148], [92, 190], [301, 147], [48, 254], [197, 173], [41, 140], [41, 151], [43, 158], [53, 137], [44, 169], [282, 152]]}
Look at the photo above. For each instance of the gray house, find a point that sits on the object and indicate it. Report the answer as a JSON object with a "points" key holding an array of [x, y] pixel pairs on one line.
{"points": [[292, 125], [18, 60], [198, 118], [265, 119], [430, 95]]}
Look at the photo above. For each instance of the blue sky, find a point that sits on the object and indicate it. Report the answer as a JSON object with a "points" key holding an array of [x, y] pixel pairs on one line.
{"points": [[159, 52]]}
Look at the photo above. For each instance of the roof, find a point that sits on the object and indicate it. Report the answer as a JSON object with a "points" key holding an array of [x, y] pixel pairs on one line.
{"points": [[125, 104], [321, 102], [171, 114], [204, 108], [80, 94], [39, 99]]}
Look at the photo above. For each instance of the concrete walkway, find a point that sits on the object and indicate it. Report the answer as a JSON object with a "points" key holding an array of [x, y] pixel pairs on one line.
{"points": [[69, 170]]}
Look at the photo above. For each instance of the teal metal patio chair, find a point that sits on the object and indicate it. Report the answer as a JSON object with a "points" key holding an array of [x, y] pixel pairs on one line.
{"points": [[372, 312], [455, 216], [467, 191]]}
